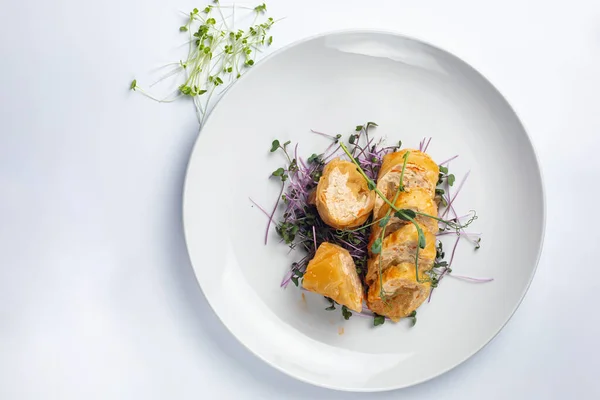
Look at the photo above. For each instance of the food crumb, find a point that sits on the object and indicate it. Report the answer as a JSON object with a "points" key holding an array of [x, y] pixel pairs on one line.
{"points": [[303, 298], [341, 330]]}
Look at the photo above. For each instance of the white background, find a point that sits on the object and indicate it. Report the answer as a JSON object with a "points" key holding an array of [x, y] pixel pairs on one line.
{"points": [[97, 296]]}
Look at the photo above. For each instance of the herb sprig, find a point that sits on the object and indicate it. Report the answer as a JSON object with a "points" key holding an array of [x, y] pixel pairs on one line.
{"points": [[217, 53]]}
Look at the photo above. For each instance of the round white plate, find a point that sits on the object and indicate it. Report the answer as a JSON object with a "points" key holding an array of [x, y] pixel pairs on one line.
{"points": [[332, 83]]}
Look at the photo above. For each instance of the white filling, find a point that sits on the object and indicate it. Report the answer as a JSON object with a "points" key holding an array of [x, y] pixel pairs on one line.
{"points": [[341, 202]]}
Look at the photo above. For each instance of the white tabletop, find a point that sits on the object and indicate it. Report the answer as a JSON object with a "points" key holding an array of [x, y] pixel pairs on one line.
{"points": [[97, 296]]}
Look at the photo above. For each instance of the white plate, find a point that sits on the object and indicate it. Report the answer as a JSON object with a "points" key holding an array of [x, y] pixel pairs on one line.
{"points": [[333, 83]]}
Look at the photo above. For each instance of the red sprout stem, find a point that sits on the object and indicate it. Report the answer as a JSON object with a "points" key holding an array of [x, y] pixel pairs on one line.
{"points": [[462, 182], [260, 208], [448, 160], [322, 134], [273, 213], [427, 145], [471, 279]]}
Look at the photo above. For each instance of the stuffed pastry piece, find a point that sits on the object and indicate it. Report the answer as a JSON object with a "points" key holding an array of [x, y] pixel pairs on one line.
{"points": [[402, 294], [418, 200], [420, 172], [343, 197], [332, 273], [401, 247]]}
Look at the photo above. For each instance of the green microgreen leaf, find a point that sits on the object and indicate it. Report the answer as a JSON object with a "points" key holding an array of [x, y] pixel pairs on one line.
{"points": [[133, 85], [384, 221], [406, 214], [274, 145], [183, 28], [261, 8], [278, 172], [358, 128], [378, 320], [346, 313], [422, 242], [443, 169], [451, 179], [376, 247], [352, 139], [332, 304], [314, 158], [413, 316]]}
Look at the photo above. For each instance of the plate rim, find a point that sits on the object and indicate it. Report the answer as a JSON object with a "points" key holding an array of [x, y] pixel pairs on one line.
{"points": [[436, 47]]}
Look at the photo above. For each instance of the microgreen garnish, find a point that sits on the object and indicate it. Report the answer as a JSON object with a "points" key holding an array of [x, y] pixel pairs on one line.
{"points": [[301, 226], [331, 304], [217, 53], [451, 179], [275, 145], [413, 316], [346, 313], [376, 247]]}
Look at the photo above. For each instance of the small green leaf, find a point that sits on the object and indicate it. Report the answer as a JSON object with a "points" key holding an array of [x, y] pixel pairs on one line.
{"points": [[451, 179], [358, 128], [133, 85], [413, 315], [439, 192], [332, 304], [278, 172], [183, 28], [399, 143], [346, 313], [406, 214], [313, 158], [384, 221], [295, 280], [422, 242], [285, 145], [270, 41], [378, 320], [352, 139], [261, 8], [274, 145], [369, 124], [443, 170], [201, 91], [376, 247], [195, 11]]}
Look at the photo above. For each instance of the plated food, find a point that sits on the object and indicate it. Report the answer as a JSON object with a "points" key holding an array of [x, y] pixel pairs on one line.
{"points": [[290, 328], [368, 218]]}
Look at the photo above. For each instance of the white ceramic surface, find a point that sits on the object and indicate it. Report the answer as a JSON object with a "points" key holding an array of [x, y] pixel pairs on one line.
{"points": [[332, 83]]}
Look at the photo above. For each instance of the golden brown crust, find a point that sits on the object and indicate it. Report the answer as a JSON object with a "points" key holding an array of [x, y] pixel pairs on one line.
{"points": [[418, 158], [421, 172], [332, 273], [343, 198], [402, 294], [417, 199], [399, 247]]}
